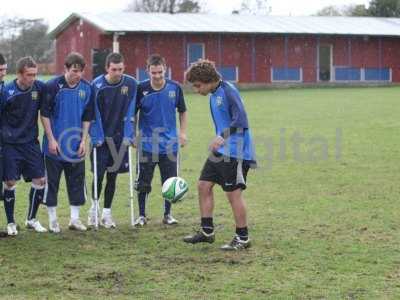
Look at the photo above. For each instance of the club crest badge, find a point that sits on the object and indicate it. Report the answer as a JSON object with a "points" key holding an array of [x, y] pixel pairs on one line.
{"points": [[82, 94], [219, 101], [124, 90], [34, 95], [171, 95]]}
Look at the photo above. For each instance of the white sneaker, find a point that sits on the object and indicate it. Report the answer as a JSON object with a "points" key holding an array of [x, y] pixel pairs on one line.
{"points": [[12, 229], [35, 225], [76, 225], [169, 220], [107, 221], [91, 220], [141, 221], [54, 227]]}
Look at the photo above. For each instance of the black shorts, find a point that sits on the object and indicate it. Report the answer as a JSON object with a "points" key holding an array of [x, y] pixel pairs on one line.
{"points": [[228, 172], [117, 162], [147, 163], [23, 159], [74, 177]]}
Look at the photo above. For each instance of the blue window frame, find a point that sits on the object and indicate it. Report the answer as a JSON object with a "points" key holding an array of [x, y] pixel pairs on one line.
{"points": [[195, 51], [377, 74], [286, 74], [229, 73], [347, 74]]}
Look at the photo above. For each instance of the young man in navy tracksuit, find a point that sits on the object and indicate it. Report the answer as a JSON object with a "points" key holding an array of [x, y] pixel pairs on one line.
{"points": [[112, 131], [66, 115], [3, 72], [21, 101], [158, 101]]}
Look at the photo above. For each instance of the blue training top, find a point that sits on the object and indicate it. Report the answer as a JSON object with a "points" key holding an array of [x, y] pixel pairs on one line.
{"points": [[157, 117], [67, 108], [20, 109], [228, 111], [115, 106]]}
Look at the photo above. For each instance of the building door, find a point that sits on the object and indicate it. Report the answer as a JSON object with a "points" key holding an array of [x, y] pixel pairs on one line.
{"points": [[195, 52], [325, 62], [99, 61]]}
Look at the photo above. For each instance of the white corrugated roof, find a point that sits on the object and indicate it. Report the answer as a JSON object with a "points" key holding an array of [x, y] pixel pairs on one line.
{"points": [[208, 23]]}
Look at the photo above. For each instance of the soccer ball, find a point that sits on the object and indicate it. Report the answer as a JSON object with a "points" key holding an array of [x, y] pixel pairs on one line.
{"points": [[174, 189]]}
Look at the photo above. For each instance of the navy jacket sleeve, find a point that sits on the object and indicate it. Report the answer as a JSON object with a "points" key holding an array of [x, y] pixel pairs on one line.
{"points": [[139, 97], [88, 113], [47, 104], [42, 95], [180, 104]]}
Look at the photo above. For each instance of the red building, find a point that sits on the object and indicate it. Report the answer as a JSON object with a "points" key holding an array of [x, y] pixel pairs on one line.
{"points": [[246, 49]]}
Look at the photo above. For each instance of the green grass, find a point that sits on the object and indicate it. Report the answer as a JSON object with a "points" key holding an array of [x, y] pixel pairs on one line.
{"points": [[322, 227]]}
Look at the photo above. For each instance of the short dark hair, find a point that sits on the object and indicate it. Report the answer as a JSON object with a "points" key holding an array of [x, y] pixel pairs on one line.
{"points": [[74, 59], [2, 59], [114, 58], [204, 71], [25, 62], [155, 60]]}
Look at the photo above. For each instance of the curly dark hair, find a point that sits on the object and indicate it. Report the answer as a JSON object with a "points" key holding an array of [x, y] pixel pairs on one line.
{"points": [[204, 71]]}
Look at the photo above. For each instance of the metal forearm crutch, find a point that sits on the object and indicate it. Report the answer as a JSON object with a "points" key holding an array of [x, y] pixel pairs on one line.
{"points": [[95, 196], [131, 183]]}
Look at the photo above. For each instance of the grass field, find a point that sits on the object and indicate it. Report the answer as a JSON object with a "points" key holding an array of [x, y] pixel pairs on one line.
{"points": [[324, 215]]}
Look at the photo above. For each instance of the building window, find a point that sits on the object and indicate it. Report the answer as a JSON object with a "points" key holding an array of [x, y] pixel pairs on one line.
{"points": [[141, 74], [377, 74], [195, 51], [229, 73], [287, 74], [347, 74]]}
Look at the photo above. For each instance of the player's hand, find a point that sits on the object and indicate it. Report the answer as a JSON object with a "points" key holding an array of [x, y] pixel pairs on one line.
{"points": [[53, 147], [82, 149], [217, 142], [182, 139]]}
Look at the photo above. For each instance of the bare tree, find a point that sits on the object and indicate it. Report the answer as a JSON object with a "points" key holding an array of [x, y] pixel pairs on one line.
{"points": [[22, 37], [254, 7], [164, 6], [352, 10]]}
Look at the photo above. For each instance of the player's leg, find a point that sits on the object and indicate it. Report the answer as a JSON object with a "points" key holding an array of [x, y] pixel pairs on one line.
{"points": [[75, 179], [168, 168], [209, 176], [235, 173], [2, 233], [119, 164], [102, 162], [143, 185], [54, 169], [33, 170], [109, 191], [12, 173], [9, 205]]}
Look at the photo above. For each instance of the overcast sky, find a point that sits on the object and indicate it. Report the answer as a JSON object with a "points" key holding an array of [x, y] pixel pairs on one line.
{"points": [[54, 11]]}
